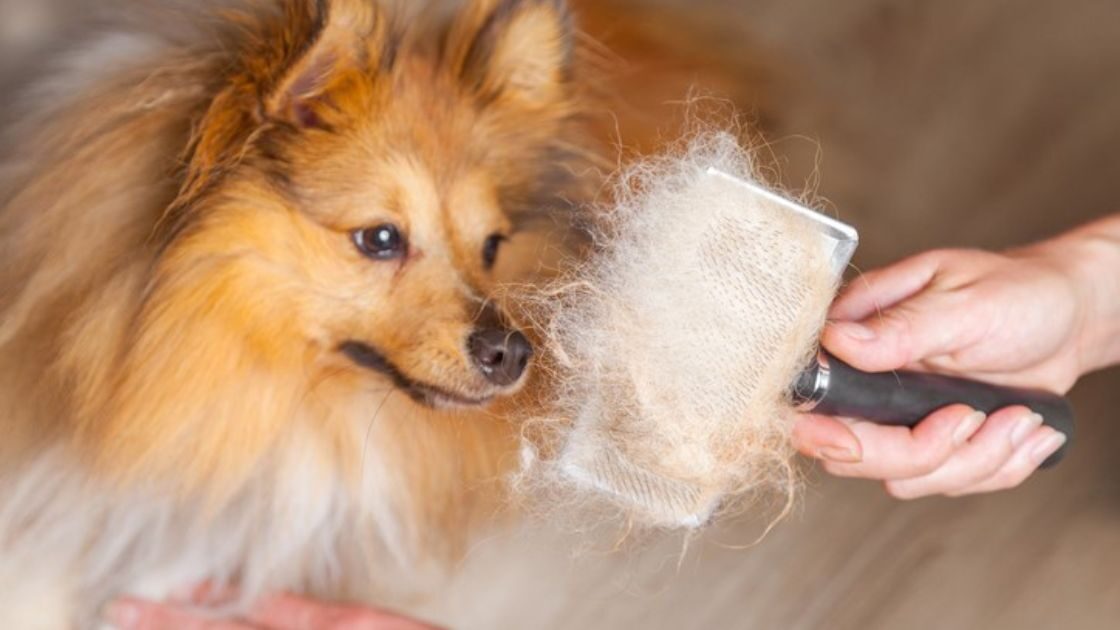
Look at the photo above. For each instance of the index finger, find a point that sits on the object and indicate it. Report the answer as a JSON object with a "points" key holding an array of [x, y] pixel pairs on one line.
{"points": [[881, 289]]}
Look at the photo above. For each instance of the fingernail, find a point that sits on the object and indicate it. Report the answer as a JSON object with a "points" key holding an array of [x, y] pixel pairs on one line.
{"points": [[1048, 447], [859, 332], [1024, 427], [840, 454], [122, 615], [968, 427]]}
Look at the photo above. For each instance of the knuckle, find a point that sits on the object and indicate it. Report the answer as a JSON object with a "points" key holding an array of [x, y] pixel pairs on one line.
{"points": [[928, 460], [906, 335], [840, 470], [1003, 480], [1012, 477], [898, 319], [991, 460], [932, 257], [904, 491]]}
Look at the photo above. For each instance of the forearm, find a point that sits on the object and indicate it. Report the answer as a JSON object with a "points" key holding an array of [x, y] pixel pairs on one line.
{"points": [[1091, 253]]}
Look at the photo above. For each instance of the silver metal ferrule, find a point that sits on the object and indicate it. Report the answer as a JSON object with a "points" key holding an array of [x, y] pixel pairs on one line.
{"points": [[812, 385]]}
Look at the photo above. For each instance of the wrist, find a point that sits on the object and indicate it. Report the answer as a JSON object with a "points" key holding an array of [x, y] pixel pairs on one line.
{"points": [[1090, 258]]}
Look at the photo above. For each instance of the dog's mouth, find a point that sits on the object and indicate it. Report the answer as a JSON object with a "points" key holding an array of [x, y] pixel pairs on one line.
{"points": [[433, 396]]}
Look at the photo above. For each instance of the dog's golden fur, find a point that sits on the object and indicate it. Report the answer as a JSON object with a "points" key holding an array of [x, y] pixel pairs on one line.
{"points": [[178, 275]]}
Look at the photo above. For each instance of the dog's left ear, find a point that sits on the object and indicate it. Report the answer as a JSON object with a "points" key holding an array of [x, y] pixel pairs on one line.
{"points": [[518, 51], [331, 42]]}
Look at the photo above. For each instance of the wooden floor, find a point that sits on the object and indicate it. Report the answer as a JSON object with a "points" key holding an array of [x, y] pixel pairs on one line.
{"points": [[932, 124]]}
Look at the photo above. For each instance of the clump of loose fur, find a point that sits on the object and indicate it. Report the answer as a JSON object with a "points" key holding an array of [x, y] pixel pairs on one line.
{"points": [[673, 346]]}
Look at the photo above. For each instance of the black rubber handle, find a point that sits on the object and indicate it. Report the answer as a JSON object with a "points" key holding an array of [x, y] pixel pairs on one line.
{"points": [[904, 398]]}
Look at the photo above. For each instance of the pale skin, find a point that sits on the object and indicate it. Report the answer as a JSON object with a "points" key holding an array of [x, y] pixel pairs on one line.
{"points": [[278, 612], [1039, 316]]}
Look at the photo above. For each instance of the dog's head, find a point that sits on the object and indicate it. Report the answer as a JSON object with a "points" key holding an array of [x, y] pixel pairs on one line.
{"points": [[348, 198], [388, 169]]}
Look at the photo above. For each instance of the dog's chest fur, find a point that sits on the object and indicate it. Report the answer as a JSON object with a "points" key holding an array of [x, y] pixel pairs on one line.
{"points": [[70, 545]]}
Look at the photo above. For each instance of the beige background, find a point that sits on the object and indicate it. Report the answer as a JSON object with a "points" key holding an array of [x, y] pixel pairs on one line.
{"points": [[981, 123]]}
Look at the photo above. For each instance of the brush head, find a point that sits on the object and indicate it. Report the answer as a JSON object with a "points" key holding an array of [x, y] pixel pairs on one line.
{"points": [[676, 343], [838, 240]]}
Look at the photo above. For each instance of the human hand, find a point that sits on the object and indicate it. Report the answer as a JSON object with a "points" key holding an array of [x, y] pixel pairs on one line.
{"points": [[279, 612], [1017, 318]]}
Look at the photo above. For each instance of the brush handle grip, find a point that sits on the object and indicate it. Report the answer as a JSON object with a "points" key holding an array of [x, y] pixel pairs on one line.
{"points": [[835, 388]]}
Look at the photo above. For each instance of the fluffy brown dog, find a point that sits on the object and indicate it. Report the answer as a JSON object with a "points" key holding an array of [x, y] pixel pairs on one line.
{"points": [[244, 290], [246, 268]]}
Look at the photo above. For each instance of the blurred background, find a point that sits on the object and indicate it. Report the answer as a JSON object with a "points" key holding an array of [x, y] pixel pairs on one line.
{"points": [[927, 124]]}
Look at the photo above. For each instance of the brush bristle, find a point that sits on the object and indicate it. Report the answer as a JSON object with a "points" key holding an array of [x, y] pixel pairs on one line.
{"points": [[676, 343]]}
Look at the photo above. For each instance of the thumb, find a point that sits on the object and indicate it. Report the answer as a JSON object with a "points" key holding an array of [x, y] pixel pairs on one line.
{"points": [[925, 325]]}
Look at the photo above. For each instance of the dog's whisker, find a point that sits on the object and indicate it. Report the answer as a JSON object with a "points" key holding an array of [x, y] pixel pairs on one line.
{"points": [[369, 432]]}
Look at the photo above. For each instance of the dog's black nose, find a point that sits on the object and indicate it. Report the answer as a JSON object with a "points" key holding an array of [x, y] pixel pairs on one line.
{"points": [[501, 355]]}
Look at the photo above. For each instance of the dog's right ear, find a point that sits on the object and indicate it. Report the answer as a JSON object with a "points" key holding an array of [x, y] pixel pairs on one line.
{"points": [[517, 51], [327, 47]]}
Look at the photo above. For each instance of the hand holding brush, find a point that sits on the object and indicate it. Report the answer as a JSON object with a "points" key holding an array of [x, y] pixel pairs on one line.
{"points": [[686, 346], [1036, 318]]}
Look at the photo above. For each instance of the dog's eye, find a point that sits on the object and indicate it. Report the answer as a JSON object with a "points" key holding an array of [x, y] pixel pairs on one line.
{"points": [[490, 249], [383, 242]]}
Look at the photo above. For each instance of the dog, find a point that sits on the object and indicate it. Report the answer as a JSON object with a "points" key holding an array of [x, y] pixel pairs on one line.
{"points": [[248, 267], [247, 329]]}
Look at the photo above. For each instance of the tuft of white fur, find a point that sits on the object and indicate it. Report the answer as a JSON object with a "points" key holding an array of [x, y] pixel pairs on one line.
{"points": [[70, 544]]}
